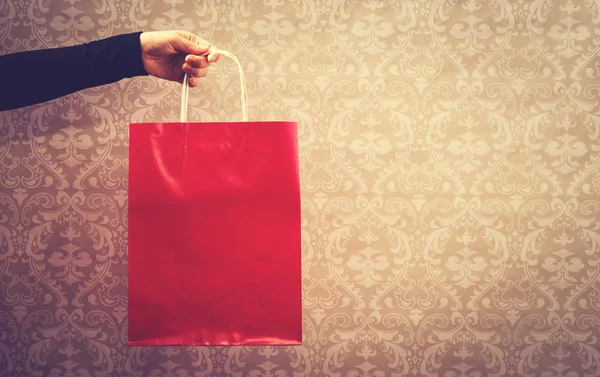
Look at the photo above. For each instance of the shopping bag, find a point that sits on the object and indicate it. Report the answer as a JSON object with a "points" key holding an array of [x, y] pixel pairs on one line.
{"points": [[214, 232]]}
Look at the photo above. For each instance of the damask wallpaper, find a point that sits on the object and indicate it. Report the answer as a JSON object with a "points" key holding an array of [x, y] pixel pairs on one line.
{"points": [[450, 183]]}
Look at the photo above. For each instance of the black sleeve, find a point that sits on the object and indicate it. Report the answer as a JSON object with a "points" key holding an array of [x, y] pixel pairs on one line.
{"points": [[32, 77]]}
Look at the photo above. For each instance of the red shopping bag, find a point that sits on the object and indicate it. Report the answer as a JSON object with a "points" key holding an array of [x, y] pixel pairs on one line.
{"points": [[214, 233]]}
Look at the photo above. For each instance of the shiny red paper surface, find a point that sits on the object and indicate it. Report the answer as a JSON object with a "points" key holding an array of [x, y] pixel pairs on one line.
{"points": [[214, 234]]}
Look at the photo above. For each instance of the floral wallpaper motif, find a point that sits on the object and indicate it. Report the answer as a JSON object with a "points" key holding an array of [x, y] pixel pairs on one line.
{"points": [[450, 154]]}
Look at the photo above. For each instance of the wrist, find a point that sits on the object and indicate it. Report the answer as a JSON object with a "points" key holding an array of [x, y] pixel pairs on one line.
{"points": [[143, 41]]}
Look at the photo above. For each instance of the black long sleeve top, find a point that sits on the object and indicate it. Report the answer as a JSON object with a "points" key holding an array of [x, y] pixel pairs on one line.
{"points": [[32, 77]]}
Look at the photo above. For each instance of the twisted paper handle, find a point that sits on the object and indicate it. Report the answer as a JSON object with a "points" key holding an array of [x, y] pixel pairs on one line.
{"points": [[185, 90]]}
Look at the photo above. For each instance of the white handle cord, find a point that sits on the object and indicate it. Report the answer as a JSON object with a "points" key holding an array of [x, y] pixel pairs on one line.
{"points": [[185, 90]]}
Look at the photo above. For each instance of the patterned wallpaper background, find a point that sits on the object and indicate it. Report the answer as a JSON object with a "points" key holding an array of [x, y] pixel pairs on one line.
{"points": [[450, 177]]}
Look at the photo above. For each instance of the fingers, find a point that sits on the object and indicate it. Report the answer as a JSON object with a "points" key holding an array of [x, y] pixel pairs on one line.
{"points": [[193, 82], [202, 61], [196, 66], [197, 61], [193, 71], [213, 57], [191, 37], [186, 46], [199, 57]]}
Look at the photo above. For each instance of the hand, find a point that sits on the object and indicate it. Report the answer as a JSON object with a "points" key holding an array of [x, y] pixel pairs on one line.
{"points": [[168, 54]]}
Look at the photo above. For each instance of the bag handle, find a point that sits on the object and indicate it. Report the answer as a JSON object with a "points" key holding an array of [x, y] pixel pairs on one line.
{"points": [[171, 180], [185, 90]]}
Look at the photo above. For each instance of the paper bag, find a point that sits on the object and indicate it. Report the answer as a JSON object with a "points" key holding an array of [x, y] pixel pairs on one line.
{"points": [[214, 232]]}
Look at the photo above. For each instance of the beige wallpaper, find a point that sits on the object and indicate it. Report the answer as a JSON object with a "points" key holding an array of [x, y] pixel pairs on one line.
{"points": [[450, 178]]}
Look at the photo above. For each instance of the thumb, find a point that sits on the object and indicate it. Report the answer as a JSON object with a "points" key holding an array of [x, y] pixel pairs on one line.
{"points": [[186, 46]]}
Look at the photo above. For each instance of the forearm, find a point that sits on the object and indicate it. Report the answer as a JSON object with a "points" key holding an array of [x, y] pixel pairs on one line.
{"points": [[33, 77]]}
